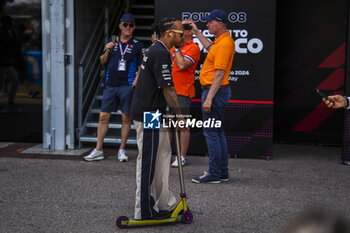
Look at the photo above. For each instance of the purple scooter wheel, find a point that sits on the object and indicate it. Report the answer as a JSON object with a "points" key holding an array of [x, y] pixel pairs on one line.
{"points": [[187, 217], [120, 220]]}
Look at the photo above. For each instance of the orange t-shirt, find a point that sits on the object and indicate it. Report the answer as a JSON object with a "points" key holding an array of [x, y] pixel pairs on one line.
{"points": [[184, 80], [220, 57]]}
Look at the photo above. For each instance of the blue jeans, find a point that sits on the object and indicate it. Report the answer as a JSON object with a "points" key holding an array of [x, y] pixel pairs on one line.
{"points": [[215, 137]]}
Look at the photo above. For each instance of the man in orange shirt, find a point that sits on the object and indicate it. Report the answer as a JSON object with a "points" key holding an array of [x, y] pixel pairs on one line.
{"points": [[216, 92], [185, 59]]}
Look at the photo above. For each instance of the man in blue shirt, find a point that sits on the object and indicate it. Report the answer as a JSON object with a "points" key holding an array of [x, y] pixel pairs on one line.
{"points": [[123, 58]]}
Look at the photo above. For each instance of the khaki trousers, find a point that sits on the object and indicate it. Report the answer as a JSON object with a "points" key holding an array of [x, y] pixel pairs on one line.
{"points": [[152, 172]]}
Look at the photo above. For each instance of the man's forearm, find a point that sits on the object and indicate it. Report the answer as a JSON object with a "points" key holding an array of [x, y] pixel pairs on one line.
{"points": [[180, 60], [171, 99], [104, 57], [216, 84], [137, 76], [204, 41]]}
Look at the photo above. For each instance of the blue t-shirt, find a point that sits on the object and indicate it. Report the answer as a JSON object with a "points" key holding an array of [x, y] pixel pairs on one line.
{"points": [[133, 57]]}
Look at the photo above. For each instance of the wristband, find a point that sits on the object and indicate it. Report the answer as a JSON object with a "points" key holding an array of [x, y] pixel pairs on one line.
{"points": [[347, 102]]}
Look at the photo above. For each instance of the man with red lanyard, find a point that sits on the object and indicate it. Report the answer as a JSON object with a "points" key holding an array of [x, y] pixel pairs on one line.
{"points": [[123, 58], [216, 93], [185, 60]]}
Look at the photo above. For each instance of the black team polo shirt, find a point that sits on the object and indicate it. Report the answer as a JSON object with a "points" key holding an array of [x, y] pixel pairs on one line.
{"points": [[155, 73]]}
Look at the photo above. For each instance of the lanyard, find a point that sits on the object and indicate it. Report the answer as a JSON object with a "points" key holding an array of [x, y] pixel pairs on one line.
{"points": [[163, 45], [161, 42], [121, 49]]}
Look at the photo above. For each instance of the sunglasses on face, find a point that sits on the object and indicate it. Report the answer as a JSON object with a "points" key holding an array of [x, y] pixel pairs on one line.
{"points": [[181, 32], [131, 25]]}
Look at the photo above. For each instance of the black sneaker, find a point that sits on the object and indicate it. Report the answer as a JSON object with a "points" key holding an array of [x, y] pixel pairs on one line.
{"points": [[33, 94], [206, 178], [224, 178], [162, 214]]}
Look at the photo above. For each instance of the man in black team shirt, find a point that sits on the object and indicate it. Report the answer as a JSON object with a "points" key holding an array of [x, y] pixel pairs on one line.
{"points": [[154, 91]]}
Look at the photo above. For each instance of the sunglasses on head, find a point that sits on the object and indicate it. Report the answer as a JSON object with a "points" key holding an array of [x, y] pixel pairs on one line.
{"points": [[181, 32], [131, 25]]}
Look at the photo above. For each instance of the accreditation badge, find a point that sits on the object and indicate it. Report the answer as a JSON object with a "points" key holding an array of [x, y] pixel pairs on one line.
{"points": [[122, 65]]}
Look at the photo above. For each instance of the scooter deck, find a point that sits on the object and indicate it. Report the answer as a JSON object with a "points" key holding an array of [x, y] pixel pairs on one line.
{"points": [[181, 209], [181, 206], [148, 222]]}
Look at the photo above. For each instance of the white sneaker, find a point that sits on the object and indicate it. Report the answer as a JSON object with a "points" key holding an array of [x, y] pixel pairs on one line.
{"points": [[122, 156], [183, 162], [95, 155]]}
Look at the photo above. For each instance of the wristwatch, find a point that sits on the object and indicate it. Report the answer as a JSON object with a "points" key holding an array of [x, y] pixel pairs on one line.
{"points": [[347, 102]]}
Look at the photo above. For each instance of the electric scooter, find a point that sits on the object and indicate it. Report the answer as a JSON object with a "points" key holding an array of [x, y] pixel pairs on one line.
{"points": [[181, 209]]}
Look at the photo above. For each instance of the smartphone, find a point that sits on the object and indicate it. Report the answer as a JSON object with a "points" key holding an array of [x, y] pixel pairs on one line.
{"points": [[187, 26], [323, 95]]}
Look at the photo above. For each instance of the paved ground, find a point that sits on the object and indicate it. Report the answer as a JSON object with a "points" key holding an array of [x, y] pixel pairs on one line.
{"points": [[41, 193]]}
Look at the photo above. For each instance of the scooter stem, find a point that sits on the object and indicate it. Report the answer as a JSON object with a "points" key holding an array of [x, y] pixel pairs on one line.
{"points": [[181, 176]]}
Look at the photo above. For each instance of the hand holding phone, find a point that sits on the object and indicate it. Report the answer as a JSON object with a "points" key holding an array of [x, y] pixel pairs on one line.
{"points": [[323, 95], [187, 26]]}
